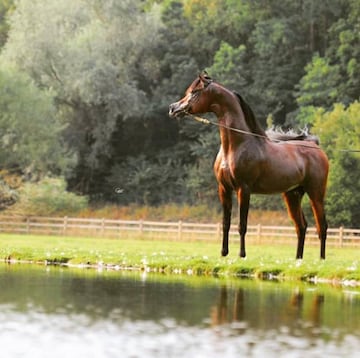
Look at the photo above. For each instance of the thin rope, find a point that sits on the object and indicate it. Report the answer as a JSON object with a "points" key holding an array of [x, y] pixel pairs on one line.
{"points": [[207, 121]]}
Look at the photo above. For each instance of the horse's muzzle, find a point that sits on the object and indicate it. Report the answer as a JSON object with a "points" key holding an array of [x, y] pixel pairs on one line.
{"points": [[172, 110], [177, 110]]}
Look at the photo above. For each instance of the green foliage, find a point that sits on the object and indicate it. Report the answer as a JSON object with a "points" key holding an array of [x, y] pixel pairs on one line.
{"points": [[107, 71], [6, 6], [29, 129], [133, 181], [47, 197], [229, 66], [335, 76], [318, 86], [88, 54], [8, 195], [339, 130]]}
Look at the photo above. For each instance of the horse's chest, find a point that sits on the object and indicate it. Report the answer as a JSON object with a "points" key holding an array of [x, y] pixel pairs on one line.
{"points": [[226, 173], [224, 164], [236, 168]]}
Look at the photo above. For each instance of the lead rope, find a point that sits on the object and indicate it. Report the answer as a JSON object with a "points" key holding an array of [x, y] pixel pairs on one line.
{"points": [[207, 121]]}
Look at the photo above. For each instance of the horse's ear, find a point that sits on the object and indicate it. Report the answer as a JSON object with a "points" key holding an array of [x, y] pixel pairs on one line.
{"points": [[205, 78]]}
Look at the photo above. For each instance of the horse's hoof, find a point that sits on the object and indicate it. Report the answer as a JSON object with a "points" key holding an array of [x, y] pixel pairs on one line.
{"points": [[224, 252]]}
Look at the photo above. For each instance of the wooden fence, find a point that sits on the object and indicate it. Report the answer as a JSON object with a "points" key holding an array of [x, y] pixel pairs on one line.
{"points": [[165, 230]]}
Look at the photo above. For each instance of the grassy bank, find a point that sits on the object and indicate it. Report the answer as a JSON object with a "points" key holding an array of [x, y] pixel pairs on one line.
{"points": [[201, 258], [188, 213]]}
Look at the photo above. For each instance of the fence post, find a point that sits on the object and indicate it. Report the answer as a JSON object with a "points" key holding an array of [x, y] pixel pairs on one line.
{"points": [[180, 230], [141, 226], [27, 225], [102, 227], [258, 233], [341, 235], [65, 225]]}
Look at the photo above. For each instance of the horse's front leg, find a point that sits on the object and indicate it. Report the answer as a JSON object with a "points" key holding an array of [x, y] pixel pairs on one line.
{"points": [[226, 202], [243, 196]]}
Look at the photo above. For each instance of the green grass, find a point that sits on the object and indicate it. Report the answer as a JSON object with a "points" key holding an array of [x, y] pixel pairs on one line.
{"points": [[200, 258]]}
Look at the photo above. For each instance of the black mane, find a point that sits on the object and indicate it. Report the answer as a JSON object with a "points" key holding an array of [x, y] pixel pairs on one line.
{"points": [[273, 134], [250, 119]]}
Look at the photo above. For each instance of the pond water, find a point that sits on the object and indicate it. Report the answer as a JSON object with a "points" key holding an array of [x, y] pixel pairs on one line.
{"points": [[59, 312]]}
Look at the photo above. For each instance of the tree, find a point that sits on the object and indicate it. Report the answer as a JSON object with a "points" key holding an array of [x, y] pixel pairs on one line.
{"points": [[113, 67], [339, 131], [230, 66], [88, 54], [319, 85], [29, 129], [344, 50], [6, 6], [334, 76]]}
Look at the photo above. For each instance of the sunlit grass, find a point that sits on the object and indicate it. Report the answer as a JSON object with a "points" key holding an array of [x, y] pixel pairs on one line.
{"points": [[201, 258]]}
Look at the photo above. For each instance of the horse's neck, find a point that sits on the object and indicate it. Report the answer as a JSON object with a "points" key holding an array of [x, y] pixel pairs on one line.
{"points": [[231, 117], [230, 122], [229, 111]]}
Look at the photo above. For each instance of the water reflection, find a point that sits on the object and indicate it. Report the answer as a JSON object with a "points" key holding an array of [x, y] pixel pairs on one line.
{"points": [[279, 305], [96, 314], [231, 306]]}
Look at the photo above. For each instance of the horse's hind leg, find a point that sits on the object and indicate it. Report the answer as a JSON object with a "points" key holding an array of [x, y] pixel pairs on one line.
{"points": [[225, 196], [317, 205], [243, 201], [293, 202]]}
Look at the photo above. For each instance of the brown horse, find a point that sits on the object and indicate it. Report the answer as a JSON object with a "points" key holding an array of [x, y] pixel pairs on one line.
{"points": [[250, 162]]}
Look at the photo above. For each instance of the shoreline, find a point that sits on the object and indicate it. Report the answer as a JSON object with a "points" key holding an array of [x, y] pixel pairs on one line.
{"points": [[264, 262], [189, 272]]}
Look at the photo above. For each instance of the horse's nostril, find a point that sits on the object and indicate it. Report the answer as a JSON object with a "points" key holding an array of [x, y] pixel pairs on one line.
{"points": [[171, 109]]}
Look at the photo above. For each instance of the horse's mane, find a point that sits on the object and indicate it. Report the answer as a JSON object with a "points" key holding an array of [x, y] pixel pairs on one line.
{"points": [[250, 119], [274, 134]]}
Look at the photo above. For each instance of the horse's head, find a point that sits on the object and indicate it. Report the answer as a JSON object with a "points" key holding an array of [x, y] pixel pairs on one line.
{"points": [[195, 99]]}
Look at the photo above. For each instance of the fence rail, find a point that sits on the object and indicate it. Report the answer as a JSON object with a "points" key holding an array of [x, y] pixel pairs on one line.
{"points": [[167, 230]]}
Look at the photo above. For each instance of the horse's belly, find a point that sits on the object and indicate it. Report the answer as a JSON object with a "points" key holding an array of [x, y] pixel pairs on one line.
{"points": [[270, 184], [273, 189]]}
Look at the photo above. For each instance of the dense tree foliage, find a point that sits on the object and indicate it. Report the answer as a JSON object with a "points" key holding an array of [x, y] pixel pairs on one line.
{"points": [[103, 73], [30, 135], [344, 180]]}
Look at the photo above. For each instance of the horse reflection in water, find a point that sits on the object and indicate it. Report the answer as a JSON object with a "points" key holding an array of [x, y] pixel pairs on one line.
{"points": [[239, 306], [250, 162]]}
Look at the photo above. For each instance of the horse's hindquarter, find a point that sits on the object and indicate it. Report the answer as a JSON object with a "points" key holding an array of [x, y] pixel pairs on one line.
{"points": [[290, 164]]}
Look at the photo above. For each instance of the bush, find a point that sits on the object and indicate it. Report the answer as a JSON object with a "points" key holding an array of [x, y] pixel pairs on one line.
{"points": [[48, 197]]}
